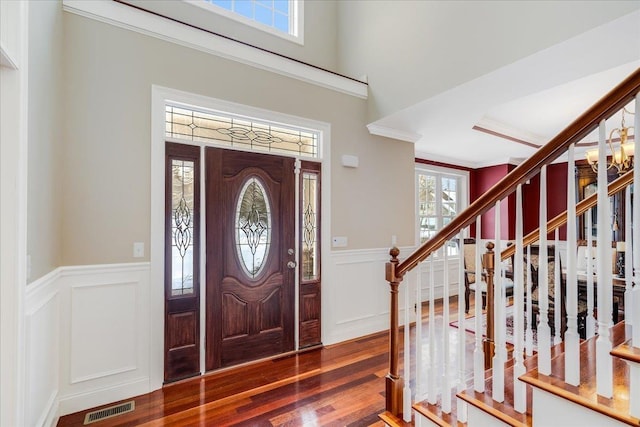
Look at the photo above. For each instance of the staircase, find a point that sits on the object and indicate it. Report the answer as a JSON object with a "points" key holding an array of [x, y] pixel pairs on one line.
{"points": [[585, 370]]}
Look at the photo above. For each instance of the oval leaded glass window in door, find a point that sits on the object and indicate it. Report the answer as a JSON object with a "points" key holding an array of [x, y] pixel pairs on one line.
{"points": [[253, 226]]}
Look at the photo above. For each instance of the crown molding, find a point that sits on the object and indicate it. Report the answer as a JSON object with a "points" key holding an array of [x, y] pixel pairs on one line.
{"points": [[388, 132], [445, 159], [146, 23]]}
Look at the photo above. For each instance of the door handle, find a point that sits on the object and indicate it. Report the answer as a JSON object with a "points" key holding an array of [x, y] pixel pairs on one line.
{"points": [[292, 264]]}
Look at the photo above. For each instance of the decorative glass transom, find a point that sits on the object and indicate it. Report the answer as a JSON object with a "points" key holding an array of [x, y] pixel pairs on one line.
{"points": [[182, 212], [253, 226], [309, 226], [240, 132]]}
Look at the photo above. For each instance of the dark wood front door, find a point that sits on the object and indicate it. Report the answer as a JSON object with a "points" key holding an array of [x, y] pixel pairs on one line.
{"points": [[250, 232]]}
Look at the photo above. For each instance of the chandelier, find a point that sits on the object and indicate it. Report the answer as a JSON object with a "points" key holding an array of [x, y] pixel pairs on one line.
{"points": [[622, 155]]}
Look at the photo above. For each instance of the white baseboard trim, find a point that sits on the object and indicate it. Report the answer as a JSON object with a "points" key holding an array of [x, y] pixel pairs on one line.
{"points": [[52, 414], [102, 396]]}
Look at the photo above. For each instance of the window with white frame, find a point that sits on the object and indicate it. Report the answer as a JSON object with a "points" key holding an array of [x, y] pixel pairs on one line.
{"points": [[279, 17], [441, 194]]}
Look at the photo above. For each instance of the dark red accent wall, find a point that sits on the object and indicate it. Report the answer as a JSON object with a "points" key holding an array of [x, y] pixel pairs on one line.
{"points": [[556, 198], [483, 179]]}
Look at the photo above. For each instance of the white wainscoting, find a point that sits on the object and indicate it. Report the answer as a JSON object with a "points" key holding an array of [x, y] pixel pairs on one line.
{"points": [[87, 339], [42, 312], [355, 295], [104, 334]]}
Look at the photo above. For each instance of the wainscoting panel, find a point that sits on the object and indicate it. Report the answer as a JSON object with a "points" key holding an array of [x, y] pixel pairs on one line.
{"points": [[42, 351], [105, 329], [355, 298]]}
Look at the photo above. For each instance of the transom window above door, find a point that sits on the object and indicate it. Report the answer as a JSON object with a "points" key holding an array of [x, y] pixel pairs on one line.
{"points": [[191, 124]]}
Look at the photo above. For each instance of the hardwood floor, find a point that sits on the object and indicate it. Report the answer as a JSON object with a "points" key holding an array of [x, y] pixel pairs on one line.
{"points": [[339, 385]]}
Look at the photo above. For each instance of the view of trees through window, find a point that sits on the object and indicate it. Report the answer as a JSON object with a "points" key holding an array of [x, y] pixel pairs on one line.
{"points": [[438, 203]]}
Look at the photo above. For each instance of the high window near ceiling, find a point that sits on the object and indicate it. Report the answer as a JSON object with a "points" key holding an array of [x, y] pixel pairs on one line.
{"points": [[441, 194], [279, 17]]}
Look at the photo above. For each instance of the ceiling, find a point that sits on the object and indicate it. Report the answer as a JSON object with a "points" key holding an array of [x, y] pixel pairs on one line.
{"points": [[504, 116]]}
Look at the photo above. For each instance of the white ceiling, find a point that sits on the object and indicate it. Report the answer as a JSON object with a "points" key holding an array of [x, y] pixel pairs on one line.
{"points": [[531, 100]]}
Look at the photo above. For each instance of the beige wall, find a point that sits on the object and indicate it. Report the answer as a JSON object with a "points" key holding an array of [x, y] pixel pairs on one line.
{"points": [[106, 189], [44, 240], [320, 29], [413, 50]]}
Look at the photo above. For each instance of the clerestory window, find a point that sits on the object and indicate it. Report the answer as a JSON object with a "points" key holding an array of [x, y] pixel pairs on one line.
{"points": [[280, 17]]}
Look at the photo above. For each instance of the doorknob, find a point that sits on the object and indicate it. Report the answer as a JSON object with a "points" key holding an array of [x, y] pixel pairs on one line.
{"points": [[292, 264]]}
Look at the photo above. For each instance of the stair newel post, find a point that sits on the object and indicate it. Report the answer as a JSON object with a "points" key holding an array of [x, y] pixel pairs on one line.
{"points": [[393, 381], [489, 341]]}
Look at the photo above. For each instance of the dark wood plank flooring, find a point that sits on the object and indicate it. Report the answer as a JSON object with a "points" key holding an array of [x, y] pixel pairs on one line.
{"points": [[338, 385]]}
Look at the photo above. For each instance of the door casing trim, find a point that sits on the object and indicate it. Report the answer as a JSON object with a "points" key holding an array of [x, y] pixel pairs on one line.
{"points": [[159, 97]]}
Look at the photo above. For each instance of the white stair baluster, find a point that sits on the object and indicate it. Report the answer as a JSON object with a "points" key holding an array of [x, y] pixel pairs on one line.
{"points": [[544, 332], [461, 409], [529, 308], [432, 366], [519, 388], [571, 336], [406, 392], [604, 367], [446, 354], [628, 265], [499, 357], [591, 320], [478, 352], [419, 379], [557, 300], [634, 369]]}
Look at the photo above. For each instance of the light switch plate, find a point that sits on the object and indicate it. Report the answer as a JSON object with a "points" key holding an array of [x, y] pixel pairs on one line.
{"points": [[339, 242], [138, 250]]}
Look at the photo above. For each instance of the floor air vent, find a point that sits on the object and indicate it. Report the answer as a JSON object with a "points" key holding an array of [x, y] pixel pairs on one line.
{"points": [[112, 411]]}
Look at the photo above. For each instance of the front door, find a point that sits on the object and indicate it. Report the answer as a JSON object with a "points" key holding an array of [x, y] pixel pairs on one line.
{"points": [[250, 240]]}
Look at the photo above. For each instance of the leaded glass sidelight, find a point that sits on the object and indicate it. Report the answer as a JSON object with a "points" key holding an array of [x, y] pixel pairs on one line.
{"points": [[253, 226], [309, 226], [182, 226]]}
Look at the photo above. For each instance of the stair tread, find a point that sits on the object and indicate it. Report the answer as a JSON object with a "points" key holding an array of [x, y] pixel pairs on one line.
{"points": [[585, 394], [434, 413], [505, 410], [391, 420], [626, 351], [502, 411]]}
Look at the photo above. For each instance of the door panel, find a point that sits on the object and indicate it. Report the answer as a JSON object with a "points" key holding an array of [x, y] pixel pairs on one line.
{"points": [[250, 228]]}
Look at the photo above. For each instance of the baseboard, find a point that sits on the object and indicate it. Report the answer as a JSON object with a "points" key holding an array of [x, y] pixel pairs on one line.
{"points": [[52, 414], [90, 399]]}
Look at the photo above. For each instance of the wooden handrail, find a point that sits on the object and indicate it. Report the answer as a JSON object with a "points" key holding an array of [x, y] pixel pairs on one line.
{"points": [[619, 184], [581, 127]]}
